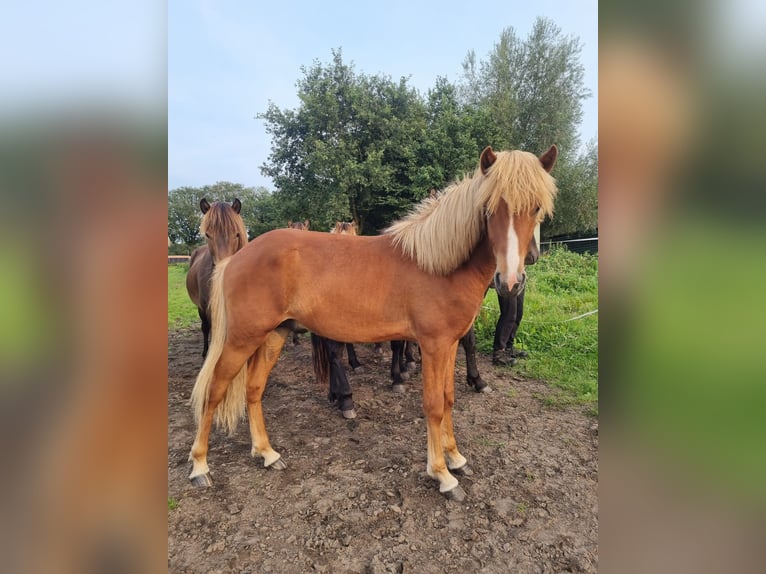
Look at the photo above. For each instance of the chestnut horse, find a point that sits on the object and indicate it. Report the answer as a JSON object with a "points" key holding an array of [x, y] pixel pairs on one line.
{"points": [[223, 228], [424, 279], [297, 329], [327, 355]]}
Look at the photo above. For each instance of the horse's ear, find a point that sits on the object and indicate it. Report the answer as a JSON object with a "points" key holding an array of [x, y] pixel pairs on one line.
{"points": [[306, 223], [548, 159], [488, 157], [204, 205], [236, 205]]}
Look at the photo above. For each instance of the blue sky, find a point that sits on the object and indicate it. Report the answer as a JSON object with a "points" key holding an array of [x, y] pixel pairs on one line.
{"points": [[227, 60]]}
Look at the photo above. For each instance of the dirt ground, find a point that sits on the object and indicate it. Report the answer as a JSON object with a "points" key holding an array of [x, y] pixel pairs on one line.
{"points": [[355, 496]]}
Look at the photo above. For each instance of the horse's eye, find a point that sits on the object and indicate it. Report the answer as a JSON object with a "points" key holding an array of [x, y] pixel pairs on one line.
{"points": [[537, 210], [208, 236]]}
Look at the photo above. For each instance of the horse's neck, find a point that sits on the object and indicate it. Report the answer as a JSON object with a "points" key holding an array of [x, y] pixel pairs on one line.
{"points": [[480, 267]]}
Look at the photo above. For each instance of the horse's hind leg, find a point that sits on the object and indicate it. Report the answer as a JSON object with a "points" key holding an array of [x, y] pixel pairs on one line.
{"points": [[227, 367], [398, 376], [340, 389], [353, 360], [409, 356], [258, 371]]}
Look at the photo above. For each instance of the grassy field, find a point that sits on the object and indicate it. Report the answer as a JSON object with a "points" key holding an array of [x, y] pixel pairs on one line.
{"points": [[181, 311], [563, 352]]}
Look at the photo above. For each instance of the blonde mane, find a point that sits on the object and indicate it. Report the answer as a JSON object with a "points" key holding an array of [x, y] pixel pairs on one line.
{"points": [[441, 232], [222, 219]]}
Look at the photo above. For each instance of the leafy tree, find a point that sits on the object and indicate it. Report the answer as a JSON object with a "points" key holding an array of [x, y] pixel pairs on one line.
{"points": [[184, 215], [533, 88], [577, 203], [349, 150], [531, 91]]}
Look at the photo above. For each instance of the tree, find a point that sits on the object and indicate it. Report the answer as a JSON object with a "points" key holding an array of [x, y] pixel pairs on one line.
{"points": [[349, 151], [533, 88], [577, 202], [531, 91], [184, 215]]}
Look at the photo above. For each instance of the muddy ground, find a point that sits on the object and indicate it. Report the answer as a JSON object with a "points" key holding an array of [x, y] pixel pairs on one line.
{"points": [[355, 496]]}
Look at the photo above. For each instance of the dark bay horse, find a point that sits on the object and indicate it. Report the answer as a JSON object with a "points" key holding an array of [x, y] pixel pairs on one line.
{"points": [[423, 280], [225, 233]]}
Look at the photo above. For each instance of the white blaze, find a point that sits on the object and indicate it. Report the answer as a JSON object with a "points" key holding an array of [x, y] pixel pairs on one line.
{"points": [[512, 254]]}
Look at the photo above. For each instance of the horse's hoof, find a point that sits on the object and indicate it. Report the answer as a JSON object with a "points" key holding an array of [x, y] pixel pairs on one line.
{"points": [[464, 470], [278, 464], [398, 388], [359, 369], [484, 389], [457, 494], [349, 414], [404, 375], [412, 366], [202, 480]]}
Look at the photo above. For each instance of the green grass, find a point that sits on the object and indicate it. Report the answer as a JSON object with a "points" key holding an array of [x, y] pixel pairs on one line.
{"points": [[172, 503], [562, 352], [182, 313]]}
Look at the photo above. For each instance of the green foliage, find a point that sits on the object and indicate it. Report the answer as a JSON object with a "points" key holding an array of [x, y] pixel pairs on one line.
{"points": [[172, 503], [577, 201], [349, 151], [182, 313], [564, 353]]}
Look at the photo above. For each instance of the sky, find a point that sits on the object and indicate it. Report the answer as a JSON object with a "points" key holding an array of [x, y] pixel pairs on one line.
{"points": [[227, 60]]}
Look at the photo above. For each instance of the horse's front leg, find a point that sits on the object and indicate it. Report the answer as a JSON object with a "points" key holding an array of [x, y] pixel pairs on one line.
{"points": [[398, 376], [205, 331], [438, 397], [258, 371], [473, 377]]}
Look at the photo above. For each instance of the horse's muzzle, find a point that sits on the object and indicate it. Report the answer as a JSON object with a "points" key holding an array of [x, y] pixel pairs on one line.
{"points": [[502, 286]]}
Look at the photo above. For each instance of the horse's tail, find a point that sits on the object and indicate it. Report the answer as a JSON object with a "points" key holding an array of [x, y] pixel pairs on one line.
{"points": [[232, 406], [321, 360]]}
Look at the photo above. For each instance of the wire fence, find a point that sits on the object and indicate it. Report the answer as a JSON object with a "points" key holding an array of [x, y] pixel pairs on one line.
{"points": [[584, 245]]}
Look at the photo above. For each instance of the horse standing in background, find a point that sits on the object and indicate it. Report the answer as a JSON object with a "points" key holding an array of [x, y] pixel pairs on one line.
{"points": [[424, 280], [225, 233]]}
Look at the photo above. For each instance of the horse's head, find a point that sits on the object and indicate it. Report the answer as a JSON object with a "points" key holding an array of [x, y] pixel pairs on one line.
{"points": [[344, 228], [223, 228], [299, 225], [521, 194]]}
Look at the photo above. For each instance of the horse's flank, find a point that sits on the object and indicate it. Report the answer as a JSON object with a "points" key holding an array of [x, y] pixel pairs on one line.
{"points": [[314, 262]]}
